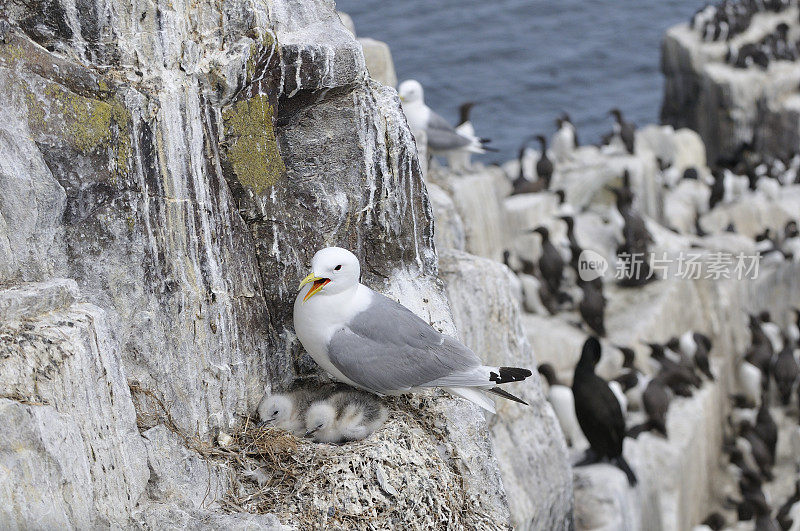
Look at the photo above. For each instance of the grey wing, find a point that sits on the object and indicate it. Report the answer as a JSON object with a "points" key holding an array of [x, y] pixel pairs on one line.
{"points": [[442, 136], [388, 348]]}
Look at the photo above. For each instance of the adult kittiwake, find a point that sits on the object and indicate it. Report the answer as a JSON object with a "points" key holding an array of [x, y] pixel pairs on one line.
{"points": [[373, 343], [443, 138]]}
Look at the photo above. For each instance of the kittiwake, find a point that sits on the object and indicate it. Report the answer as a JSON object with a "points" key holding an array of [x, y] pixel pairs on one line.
{"points": [[373, 343]]}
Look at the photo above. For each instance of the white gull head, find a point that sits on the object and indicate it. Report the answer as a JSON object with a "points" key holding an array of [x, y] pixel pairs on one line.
{"points": [[410, 91]]}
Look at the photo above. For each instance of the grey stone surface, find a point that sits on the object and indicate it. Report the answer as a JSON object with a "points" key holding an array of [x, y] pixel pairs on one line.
{"points": [[449, 229], [182, 163], [180, 476], [67, 361], [44, 482], [378, 58], [527, 440]]}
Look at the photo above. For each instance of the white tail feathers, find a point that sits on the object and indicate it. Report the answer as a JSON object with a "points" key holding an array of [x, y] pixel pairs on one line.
{"points": [[475, 396]]}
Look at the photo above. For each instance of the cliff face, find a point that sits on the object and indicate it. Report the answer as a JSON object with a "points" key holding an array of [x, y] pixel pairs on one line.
{"points": [[729, 106], [180, 163]]}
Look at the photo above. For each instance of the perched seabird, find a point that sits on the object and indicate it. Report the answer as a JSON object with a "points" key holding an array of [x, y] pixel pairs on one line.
{"points": [[675, 375], [442, 137], [563, 403], [696, 346], [763, 516], [765, 428], [713, 522], [761, 350], [279, 410], [551, 263], [637, 239], [772, 331], [625, 130], [655, 401], [786, 373], [574, 247], [523, 185], [783, 516], [371, 342], [344, 416], [544, 166], [790, 246], [750, 378], [593, 305], [633, 381], [598, 411], [793, 330], [565, 139], [760, 451]]}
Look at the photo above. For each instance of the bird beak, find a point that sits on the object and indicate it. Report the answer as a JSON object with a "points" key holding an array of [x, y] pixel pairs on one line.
{"points": [[309, 433], [319, 283]]}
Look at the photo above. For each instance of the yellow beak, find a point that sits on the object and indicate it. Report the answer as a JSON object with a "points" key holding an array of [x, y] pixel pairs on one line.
{"points": [[319, 283]]}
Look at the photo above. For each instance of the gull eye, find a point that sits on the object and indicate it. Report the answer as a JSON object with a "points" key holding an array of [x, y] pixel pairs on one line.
{"points": [[338, 267]]}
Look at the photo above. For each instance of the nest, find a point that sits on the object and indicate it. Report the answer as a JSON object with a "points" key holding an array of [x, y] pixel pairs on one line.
{"points": [[402, 476]]}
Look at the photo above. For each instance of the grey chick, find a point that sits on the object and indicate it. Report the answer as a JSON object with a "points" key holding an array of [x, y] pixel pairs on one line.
{"points": [[344, 416]]}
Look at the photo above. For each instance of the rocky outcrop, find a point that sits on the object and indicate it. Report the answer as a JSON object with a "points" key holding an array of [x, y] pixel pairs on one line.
{"points": [[729, 106], [181, 163], [529, 446], [71, 452]]}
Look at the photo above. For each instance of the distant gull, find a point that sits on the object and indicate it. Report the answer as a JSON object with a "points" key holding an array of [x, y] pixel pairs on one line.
{"points": [[443, 138], [373, 343]]}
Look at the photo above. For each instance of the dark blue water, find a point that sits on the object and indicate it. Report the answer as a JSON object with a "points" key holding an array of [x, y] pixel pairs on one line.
{"points": [[526, 61]]}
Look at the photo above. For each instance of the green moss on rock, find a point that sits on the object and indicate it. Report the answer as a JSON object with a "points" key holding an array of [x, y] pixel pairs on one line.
{"points": [[92, 126], [252, 148]]}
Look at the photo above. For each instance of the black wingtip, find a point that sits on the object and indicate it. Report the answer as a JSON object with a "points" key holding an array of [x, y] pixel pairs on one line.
{"points": [[509, 374], [505, 394]]}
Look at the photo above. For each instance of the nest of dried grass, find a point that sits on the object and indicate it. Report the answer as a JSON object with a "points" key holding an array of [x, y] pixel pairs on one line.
{"points": [[402, 476]]}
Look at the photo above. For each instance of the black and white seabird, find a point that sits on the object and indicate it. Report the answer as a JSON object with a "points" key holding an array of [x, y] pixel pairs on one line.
{"points": [[574, 247], [593, 305], [783, 516], [598, 411], [717, 189], [697, 346], [765, 427], [565, 139], [786, 372], [625, 130], [563, 403], [523, 185], [544, 166], [761, 351], [677, 376], [759, 449], [655, 401], [551, 263]]}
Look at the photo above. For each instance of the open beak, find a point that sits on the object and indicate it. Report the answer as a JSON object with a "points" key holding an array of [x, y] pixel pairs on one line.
{"points": [[319, 283]]}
